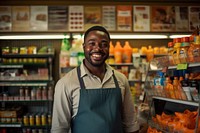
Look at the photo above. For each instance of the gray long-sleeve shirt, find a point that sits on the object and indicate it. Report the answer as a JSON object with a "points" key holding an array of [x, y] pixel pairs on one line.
{"points": [[67, 92]]}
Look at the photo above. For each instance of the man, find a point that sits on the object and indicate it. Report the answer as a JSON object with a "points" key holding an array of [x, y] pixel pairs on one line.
{"points": [[94, 98]]}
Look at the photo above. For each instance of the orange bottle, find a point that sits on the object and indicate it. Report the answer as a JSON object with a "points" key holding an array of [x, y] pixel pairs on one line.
{"points": [[194, 50], [150, 54], [111, 50], [127, 53], [118, 51]]}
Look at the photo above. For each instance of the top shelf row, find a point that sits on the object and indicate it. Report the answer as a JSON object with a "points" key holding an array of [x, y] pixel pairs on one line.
{"points": [[125, 18]]}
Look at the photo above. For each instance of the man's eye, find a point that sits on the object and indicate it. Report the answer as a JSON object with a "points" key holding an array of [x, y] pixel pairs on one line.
{"points": [[91, 43], [104, 45]]}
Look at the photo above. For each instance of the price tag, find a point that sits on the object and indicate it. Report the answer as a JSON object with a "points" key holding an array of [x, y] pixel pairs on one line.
{"points": [[182, 66]]}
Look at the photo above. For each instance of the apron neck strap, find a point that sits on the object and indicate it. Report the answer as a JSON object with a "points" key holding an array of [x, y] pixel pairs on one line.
{"points": [[80, 79], [82, 85], [115, 80]]}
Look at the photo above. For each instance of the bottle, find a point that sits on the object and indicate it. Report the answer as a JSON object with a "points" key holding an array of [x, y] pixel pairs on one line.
{"points": [[50, 93], [194, 90], [177, 44], [111, 59], [111, 50], [44, 93], [179, 93], [76, 53], [33, 94], [186, 87], [39, 93], [194, 50], [32, 120], [159, 83], [38, 120], [170, 53], [118, 51], [183, 53], [168, 88], [44, 119], [64, 53], [150, 53], [127, 53]]}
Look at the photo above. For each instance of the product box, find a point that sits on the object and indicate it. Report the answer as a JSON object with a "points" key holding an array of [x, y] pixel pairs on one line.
{"points": [[11, 112]]}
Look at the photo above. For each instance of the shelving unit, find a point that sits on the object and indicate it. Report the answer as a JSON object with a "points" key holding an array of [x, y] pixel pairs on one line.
{"points": [[26, 88], [160, 103]]}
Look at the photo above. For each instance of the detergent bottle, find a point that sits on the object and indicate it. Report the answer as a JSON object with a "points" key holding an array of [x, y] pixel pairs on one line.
{"points": [[118, 51], [127, 53]]}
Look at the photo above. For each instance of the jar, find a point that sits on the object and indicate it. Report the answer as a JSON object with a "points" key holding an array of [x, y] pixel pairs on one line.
{"points": [[39, 93], [49, 119], [44, 93], [37, 120], [44, 120], [25, 120], [32, 120]]}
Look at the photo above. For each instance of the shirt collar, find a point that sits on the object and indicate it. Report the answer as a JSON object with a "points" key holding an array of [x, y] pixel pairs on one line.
{"points": [[85, 71]]}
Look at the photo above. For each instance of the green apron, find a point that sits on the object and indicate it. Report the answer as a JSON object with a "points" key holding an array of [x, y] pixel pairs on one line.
{"points": [[99, 110]]}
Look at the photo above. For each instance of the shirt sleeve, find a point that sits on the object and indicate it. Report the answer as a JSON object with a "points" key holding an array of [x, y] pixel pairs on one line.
{"points": [[61, 109], [129, 116]]}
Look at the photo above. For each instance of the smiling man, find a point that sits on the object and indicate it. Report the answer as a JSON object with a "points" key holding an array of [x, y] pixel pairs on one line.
{"points": [[94, 98]]}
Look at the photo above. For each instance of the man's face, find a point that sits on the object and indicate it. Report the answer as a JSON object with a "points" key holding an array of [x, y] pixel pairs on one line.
{"points": [[96, 48]]}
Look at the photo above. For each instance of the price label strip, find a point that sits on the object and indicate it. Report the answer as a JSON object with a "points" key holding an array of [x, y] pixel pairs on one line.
{"points": [[182, 66]]}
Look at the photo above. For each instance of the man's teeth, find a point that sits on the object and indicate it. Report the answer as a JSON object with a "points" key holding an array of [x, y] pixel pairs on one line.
{"points": [[96, 55]]}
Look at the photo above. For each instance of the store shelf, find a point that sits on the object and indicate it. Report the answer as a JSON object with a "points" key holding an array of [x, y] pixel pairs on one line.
{"points": [[10, 125], [11, 66], [24, 84], [42, 55], [26, 100], [190, 65], [122, 64], [177, 101]]}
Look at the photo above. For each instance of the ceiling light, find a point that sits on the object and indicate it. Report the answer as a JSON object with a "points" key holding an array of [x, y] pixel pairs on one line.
{"points": [[25, 37]]}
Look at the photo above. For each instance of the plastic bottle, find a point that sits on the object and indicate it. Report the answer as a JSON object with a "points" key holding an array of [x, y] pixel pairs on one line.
{"points": [[118, 51], [50, 93], [112, 48], [177, 44], [183, 53], [168, 88], [76, 53], [150, 54], [194, 50], [127, 53], [170, 52], [159, 83], [186, 87], [65, 54]]}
